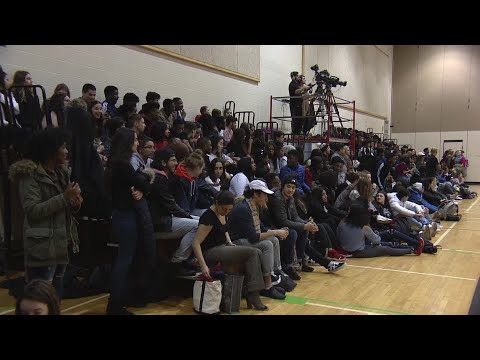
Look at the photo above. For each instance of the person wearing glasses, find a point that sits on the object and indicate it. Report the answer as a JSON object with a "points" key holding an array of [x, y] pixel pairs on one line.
{"points": [[143, 157]]}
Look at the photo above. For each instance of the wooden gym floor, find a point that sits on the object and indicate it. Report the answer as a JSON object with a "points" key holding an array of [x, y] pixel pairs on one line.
{"points": [[408, 285]]}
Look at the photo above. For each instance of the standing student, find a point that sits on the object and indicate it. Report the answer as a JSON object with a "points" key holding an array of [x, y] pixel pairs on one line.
{"points": [[48, 199]]}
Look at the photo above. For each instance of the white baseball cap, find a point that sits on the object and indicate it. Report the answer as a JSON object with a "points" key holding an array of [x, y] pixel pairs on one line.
{"points": [[259, 185]]}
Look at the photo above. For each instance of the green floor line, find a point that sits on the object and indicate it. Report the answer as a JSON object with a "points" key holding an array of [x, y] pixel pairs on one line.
{"points": [[6, 308], [296, 300]]}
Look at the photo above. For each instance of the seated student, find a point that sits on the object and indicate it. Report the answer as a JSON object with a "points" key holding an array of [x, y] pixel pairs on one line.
{"points": [[142, 158], [258, 141], [230, 126], [170, 221], [208, 125], [285, 150], [246, 229], [204, 144], [234, 148], [184, 186], [284, 214], [151, 116], [246, 170], [350, 178], [217, 150], [275, 153], [317, 165], [357, 238], [457, 178], [431, 194], [322, 211], [38, 298], [293, 166], [415, 213], [381, 220], [217, 176], [278, 137], [262, 163], [338, 165], [177, 129], [212, 243], [203, 110], [328, 179], [416, 191], [273, 181], [136, 122], [220, 124]]}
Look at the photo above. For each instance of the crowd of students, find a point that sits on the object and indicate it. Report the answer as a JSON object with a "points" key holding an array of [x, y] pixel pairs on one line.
{"points": [[231, 194]]}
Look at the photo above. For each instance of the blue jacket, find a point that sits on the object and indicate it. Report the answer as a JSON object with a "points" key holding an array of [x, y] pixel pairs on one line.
{"points": [[300, 171], [417, 198]]}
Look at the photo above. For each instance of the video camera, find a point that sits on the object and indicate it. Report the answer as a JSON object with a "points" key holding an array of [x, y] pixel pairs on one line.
{"points": [[325, 77]]}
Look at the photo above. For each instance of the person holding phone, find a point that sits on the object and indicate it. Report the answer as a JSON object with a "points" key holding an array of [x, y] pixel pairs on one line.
{"points": [[49, 199]]}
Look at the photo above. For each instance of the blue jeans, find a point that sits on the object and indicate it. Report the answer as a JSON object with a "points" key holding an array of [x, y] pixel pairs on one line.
{"points": [[292, 243], [52, 273], [389, 236], [124, 230]]}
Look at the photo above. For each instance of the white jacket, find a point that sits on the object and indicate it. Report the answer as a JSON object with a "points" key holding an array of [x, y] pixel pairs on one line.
{"points": [[406, 208]]}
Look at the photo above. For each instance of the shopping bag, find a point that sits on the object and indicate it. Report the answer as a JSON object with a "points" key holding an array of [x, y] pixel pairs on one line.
{"points": [[232, 293], [207, 296]]}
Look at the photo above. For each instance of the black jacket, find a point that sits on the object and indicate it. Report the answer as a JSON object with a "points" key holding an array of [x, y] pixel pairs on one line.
{"points": [[162, 204], [284, 212]]}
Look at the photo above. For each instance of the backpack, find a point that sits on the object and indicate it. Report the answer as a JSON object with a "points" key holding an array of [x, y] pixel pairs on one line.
{"points": [[429, 248], [448, 210]]}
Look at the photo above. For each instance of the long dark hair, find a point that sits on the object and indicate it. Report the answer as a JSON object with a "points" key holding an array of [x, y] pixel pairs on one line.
{"points": [[19, 80], [211, 169], [98, 123], [120, 151], [245, 166], [358, 215]]}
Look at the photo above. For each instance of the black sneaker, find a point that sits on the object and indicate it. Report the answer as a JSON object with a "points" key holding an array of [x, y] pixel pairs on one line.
{"points": [[272, 293], [276, 279], [306, 268], [292, 273], [286, 283], [335, 266], [279, 289]]}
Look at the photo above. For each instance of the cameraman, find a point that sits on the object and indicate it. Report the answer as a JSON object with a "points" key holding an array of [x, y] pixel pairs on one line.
{"points": [[296, 89]]}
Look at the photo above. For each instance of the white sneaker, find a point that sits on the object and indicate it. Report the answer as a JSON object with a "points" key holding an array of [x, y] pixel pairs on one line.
{"points": [[334, 266]]}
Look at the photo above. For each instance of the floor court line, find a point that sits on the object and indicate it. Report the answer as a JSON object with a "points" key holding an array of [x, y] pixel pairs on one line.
{"points": [[85, 303], [445, 233], [471, 206], [412, 272], [344, 309], [8, 311], [298, 300]]}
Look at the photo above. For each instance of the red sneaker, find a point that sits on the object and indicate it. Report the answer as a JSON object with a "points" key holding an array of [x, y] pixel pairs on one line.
{"points": [[420, 246], [333, 254]]}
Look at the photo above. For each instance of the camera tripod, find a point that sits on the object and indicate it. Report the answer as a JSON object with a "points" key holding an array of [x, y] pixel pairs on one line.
{"points": [[326, 101]]}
